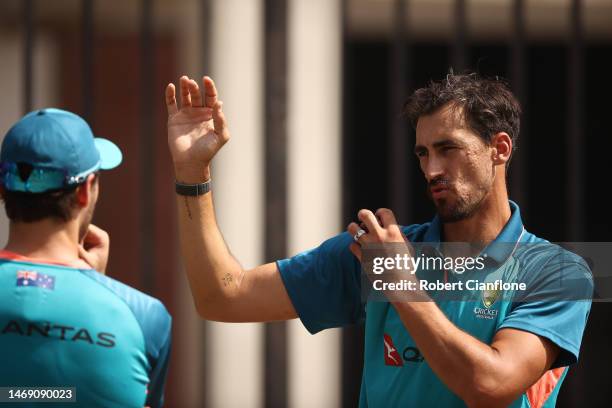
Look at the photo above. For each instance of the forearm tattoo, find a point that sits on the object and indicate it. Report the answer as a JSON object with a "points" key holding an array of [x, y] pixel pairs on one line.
{"points": [[227, 279], [187, 207]]}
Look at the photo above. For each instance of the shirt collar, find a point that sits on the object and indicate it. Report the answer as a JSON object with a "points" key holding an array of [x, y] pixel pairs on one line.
{"points": [[512, 233]]}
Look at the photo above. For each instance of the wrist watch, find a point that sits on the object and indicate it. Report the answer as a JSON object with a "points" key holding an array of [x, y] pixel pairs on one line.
{"points": [[193, 190]]}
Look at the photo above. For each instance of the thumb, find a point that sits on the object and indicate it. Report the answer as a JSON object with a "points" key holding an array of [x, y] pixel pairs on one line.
{"points": [[220, 122], [86, 256]]}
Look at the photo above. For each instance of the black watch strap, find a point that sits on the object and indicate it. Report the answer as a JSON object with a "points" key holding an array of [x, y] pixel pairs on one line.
{"points": [[193, 189]]}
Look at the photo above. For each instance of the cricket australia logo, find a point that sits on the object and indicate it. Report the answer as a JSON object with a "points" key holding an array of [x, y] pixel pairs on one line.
{"points": [[489, 297]]}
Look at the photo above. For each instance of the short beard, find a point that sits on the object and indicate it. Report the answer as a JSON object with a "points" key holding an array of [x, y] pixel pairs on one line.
{"points": [[461, 211]]}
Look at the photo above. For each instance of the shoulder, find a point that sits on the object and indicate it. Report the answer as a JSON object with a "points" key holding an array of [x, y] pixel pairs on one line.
{"points": [[539, 252], [415, 232], [152, 316], [549, 266]]}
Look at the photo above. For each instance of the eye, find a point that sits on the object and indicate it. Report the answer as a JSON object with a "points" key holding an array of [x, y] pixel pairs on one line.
{"points": [[421, 153]]}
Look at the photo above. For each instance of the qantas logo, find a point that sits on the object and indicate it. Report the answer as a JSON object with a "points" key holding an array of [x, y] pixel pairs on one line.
{"points": [[71, 335], [393, 357]]}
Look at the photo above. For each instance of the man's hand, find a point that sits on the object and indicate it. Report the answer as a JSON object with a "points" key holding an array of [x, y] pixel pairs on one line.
{"points": [[94, 248], [384, 238], [196, 130], [381, 228]]}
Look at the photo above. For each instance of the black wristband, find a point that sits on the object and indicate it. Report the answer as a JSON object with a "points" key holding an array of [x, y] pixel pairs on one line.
{"points": [[193, 189]]}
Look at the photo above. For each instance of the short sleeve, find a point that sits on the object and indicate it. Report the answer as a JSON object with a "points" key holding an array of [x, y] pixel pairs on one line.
{"points": [[556, 306], [324, 285], [157, 378], [157, 329]]}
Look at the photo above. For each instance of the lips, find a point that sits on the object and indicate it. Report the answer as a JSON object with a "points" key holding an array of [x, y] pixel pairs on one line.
{"points": [[439, 191]]}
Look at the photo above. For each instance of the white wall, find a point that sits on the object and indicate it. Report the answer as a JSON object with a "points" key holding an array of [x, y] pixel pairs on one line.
{"points": [[314, 181], [235, 372], [45, 92]]}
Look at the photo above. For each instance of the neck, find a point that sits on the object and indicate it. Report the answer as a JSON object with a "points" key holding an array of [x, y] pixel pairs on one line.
{"points": [[46, 239], [485, 224]]}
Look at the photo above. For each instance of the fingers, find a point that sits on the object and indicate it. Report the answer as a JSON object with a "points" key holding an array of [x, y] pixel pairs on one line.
{"points": [[95, 236], [93, 230], [386, 217], [86, 256], [95, 248], [185, 96], [359, 237], [191, 94], [171, 99], [196, 96], [352, 228], [92, 260], [355, 247], [370, 220], [381, 227], [220, 123], [356, 250], [210, 92]]}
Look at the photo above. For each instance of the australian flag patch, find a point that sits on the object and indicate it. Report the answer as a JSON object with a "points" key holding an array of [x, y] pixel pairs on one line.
{"points": [[35, 279]]}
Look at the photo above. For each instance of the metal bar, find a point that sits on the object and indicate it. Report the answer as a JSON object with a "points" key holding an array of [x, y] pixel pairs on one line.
{"points": [[275, 100], [517, 69], [205, 55], [28, 51], [575, 147], [352, 336], [346, 95], [87, 28], [459, 57], [576, 171], [399, 155], [205, 17], [147, 150]]}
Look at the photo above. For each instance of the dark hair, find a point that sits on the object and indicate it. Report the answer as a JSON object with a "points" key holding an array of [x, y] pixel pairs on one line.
{"points": [[31, 207], [488, 105]]}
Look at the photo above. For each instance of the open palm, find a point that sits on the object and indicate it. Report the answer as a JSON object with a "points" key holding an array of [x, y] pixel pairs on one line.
{"points": [[196, 130]]}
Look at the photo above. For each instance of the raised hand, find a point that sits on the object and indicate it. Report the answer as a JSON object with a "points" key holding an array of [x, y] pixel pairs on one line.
{"points": [[196, 130]]}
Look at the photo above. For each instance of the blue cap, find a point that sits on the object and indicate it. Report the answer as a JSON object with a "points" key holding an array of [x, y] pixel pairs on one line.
{"points": [[60, 147]]}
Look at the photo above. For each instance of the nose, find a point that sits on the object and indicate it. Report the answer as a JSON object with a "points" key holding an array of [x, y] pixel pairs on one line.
{"points": [[432, 168]]}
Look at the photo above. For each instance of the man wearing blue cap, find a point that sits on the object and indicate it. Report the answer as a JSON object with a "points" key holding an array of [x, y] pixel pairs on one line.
{"points": [[62, 322]]}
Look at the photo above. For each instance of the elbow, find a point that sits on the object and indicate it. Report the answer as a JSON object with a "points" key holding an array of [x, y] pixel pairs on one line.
{"points": [[487, 392], [215, 308], [208, 309], [202, 309], [215, 300], [205, 304]]}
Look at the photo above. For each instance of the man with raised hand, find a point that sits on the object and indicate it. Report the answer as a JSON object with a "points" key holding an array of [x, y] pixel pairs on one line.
{"points": [[483, 349], [62, 322]]}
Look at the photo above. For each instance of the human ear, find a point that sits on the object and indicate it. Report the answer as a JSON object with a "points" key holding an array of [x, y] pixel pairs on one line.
{"points": [[84, 192], [502, 148]]}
